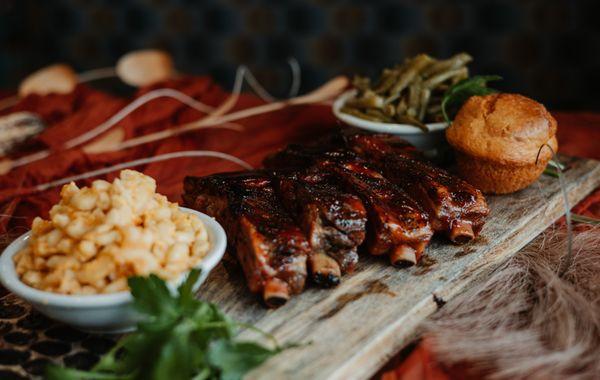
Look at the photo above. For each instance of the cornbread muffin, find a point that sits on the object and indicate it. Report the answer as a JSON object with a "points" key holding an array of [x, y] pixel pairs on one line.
{"points": [[497, 139]]}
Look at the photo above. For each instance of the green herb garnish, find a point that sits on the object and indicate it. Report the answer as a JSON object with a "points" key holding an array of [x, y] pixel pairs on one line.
{"points": [[551, 172], [458, 94], [552, 168], [181, 337]]}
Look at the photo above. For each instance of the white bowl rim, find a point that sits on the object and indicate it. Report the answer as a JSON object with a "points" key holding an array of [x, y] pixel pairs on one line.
{"points": [[398, 129], [11, 281]]}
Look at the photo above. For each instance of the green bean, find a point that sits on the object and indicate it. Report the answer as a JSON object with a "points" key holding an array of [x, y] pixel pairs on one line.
{"points": [[402, 106], [460, 77], [379, 114], [438, 79], [414, 95], [389, 110], [361, 83], [360, 114], [425, 94], [411, 121], [388, 78], [457, 61], [368, 100], [408, 75]]}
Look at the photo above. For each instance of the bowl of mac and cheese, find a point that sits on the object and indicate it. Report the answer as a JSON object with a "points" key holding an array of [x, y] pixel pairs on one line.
{"points": [[74, 265]]}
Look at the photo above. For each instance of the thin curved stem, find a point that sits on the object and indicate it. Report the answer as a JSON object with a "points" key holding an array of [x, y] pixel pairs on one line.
{"points": [[144, 161], [565, 265], [95, 74]]}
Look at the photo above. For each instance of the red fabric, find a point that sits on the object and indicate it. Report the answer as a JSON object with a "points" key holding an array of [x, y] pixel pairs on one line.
{"points": [[419, 365], [579, 134]]}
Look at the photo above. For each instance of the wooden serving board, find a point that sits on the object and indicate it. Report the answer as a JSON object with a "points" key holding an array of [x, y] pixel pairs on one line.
{"points": [[352, 330]]}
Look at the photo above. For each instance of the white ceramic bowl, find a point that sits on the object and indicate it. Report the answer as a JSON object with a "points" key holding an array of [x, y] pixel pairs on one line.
{"points": [[426, 141], [106, 313]]}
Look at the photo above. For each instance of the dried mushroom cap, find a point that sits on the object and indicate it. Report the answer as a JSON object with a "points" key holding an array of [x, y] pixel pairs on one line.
{"points": [[145, 67], [59, 79]]}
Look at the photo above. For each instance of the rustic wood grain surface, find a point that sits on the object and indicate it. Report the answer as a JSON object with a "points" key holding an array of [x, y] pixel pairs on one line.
{"points": [[350, 331]]}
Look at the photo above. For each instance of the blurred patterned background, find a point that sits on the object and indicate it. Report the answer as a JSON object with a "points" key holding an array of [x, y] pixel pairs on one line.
{"points": [[549, 50]]}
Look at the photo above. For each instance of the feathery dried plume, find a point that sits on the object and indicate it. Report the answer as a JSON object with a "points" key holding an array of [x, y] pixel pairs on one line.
{"points": [[527, 321]]}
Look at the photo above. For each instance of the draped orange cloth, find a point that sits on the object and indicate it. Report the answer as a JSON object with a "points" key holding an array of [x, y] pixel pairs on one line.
{"points": [[72, 114]]}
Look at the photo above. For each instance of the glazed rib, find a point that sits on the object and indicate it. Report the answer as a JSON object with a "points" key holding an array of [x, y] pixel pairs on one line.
{"points": [[332, 219], [269, 246], [396, 224], [455, 207]]}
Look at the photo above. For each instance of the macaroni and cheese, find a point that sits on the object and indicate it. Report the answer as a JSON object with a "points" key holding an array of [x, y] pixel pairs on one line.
{"points": [[100, 235]]}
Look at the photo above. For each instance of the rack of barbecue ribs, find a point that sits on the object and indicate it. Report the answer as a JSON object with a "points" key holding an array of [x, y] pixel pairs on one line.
{"points": [[317, 206], [455, 208], [271, 249]]}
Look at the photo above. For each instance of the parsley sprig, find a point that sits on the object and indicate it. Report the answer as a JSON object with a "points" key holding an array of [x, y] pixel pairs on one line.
{"points": [[180, 337], [459, 93]]}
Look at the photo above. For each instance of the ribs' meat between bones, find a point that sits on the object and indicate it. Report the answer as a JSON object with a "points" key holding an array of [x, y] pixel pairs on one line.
{"points": [[271, 249], [396, 224], [455, 207], [332, 219]]}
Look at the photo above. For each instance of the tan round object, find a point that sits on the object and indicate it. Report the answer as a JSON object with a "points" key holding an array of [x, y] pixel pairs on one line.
{"points": [[58, 79], [497, 138], [145, 67]]}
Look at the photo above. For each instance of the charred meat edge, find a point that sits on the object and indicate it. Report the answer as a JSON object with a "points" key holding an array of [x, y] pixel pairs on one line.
{"points": [[332, 219], [269, 246], [455, 207]]}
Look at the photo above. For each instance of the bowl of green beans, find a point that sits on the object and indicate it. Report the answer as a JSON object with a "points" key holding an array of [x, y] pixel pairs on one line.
{"points": [[405, 100]]}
